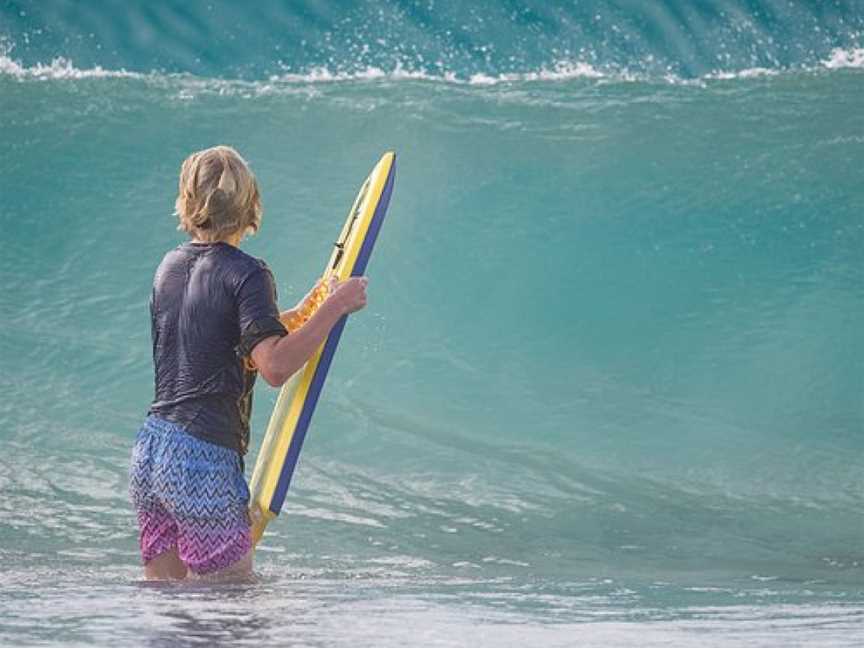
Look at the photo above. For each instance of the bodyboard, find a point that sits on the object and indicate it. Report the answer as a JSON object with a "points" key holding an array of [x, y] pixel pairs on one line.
{"points": [[298, 397]]}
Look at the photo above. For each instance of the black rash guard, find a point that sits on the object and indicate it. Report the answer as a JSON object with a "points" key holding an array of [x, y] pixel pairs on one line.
{"points": [[211, 304]]}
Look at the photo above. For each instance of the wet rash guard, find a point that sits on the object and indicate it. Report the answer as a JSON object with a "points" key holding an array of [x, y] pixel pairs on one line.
{"points": [[211, 304]]}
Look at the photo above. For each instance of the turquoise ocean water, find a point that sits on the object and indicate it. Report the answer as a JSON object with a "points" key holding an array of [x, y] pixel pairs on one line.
{"points": [[609, 389]]}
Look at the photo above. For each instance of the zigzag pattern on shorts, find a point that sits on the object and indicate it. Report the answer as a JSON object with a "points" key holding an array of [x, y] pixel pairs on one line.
{"points": [[188, 493]]}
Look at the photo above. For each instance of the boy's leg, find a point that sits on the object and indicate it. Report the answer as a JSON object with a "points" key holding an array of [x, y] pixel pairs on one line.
{"points": [[158, 542], [207, 497], [216, 548], [157, 531], [165, 566], [214, 537], [240, 570]]}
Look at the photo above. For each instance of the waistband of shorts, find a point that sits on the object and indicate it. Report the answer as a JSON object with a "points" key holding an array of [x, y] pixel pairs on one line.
{"points": [[178, 434], [156, 424]]}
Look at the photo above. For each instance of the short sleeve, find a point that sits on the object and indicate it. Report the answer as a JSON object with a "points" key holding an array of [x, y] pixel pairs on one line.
{"points": [[257, 310]]}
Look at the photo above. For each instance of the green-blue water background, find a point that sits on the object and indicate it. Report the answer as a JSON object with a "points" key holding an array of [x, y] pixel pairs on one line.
{"points": [[610, 384]]}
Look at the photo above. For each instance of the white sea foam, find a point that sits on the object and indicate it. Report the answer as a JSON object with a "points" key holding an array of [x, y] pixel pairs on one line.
{"points": [[63, 69], [845, 58], [560, 71], [60, 68], [369, 73], [749, 73], [324, 75]]}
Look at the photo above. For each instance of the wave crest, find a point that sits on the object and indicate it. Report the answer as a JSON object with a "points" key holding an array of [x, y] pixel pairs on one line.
{"points": [[61, 68]]}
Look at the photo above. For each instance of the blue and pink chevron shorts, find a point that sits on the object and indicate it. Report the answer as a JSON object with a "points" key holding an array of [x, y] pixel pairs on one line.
{"points": [[189, 494]]}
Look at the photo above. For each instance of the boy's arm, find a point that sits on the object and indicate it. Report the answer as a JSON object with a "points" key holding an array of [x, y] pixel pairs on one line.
{"points": [[278, 358]]}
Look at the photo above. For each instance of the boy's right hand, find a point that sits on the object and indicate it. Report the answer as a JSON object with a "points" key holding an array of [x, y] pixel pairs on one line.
{"points": [[349, 294]]}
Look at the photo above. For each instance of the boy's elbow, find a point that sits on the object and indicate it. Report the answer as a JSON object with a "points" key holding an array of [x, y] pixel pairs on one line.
{"points": [[265, 359], [272, 377]]}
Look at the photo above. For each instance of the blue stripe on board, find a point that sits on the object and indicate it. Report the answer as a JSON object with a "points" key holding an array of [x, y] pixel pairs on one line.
{"points": [[375, 226], [329, 351]]}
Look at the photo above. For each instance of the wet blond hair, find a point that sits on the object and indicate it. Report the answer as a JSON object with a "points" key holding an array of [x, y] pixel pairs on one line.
{"points": [[217, 195]]}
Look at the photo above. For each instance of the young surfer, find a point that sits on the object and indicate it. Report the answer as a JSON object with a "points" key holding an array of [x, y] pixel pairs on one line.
{"points": [[215, 324]]}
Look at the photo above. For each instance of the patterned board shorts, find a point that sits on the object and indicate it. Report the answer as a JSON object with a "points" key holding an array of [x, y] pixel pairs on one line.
{"points": [[189, 494]]}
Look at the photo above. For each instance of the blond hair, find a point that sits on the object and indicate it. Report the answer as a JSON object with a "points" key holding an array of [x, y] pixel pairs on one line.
{"points": [[217, 195]]}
